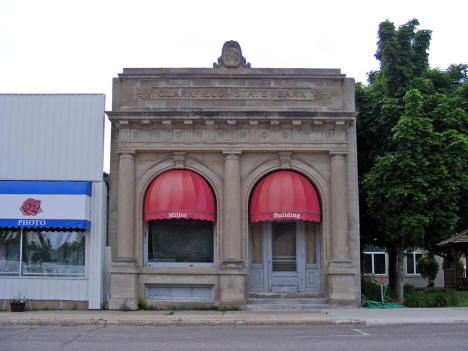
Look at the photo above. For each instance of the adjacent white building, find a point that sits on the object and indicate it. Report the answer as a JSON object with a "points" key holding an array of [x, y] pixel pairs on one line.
{"points": [[53, 198]]}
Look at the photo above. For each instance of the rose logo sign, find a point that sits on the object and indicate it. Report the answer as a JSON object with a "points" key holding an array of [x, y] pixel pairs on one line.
{"points": [[31, 207]]}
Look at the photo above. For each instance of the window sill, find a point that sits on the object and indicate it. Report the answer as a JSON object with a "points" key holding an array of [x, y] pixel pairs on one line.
{"points": [[200, 270], [43, 277]]}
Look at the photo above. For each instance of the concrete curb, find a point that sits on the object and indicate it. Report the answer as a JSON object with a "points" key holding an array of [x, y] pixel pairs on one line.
{"points": [[237, 319], [182, 323]]}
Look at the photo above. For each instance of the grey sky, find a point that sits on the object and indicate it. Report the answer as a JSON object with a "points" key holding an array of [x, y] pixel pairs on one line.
{"points": [[68, 46]]}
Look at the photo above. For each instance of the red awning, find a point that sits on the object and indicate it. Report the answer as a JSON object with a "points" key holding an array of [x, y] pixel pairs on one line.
{"points": [[284, 195], [179, 194]]}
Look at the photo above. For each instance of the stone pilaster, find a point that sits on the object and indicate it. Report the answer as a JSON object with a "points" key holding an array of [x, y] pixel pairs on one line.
{"points": [[123, 270], [339, 207], [126, 208], [341, 271], [232, 282], [232, 238]]}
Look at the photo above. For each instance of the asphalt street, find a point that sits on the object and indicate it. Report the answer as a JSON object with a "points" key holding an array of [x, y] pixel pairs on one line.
{"points": [[395, 337]]}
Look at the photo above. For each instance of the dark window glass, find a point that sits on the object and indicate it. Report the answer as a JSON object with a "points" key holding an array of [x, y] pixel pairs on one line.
{"points": [[410, 264], [53, 253], [379, 263], [367, 263], [284, 246], [184, 240], [9, 252]]}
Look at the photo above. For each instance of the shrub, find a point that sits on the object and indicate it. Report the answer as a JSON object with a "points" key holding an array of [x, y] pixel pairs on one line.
{"points": [[428, 267], [432, 298], [142, 304], [408, 288], [124, 307], [370, 290]]}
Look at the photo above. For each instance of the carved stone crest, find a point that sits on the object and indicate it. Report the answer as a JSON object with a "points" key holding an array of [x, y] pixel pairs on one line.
{"points": [[231, 56]]}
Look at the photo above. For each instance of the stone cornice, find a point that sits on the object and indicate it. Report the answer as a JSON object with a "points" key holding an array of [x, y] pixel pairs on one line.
{"points": [[268, 73], [203, 114]]}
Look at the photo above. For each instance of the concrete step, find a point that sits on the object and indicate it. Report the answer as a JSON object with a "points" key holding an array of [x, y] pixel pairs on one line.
{"points": [[286, 307], [285, 295], [286, 303], [289, 301]]}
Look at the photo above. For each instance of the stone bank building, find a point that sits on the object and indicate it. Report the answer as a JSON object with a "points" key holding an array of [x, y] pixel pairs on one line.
{"points": [[233, 182]]}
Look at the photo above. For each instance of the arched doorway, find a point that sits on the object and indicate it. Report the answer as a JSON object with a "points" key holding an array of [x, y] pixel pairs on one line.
{"points": [[284, 240]]}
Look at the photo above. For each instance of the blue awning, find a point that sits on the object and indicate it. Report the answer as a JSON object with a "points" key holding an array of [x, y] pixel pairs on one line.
{"points": [[43, 204]]}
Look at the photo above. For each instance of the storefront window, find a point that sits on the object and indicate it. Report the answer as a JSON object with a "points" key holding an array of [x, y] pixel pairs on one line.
{"points": [[53, 253], [9, 252], [44, 253], [185, 240]]}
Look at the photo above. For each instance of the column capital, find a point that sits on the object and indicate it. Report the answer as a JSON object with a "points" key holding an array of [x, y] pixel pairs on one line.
{"points": [[338, 155], [232, 154], [126, 154]]}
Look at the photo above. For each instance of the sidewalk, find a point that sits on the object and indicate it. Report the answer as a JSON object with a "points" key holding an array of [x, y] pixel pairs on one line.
{"points": [[238, 318]]}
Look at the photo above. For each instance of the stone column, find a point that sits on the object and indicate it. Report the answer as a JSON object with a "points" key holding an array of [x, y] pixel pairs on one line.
{"points": [[232, 239], [126, 207], [123, 270], [339, 207], [341, 271], [233, 277]]}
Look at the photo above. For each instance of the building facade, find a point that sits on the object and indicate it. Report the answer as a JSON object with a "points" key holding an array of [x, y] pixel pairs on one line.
{"points": [[375, 261], [52, 200], [231, 181]]}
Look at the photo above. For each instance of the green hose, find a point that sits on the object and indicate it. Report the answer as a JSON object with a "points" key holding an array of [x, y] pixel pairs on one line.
{"points": [[384, 304]]}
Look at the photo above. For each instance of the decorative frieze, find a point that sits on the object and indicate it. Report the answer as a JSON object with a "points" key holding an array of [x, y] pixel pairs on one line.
{"points": [[253, 132]]}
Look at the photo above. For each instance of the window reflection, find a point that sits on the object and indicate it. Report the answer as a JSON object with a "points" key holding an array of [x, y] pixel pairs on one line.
{"points": [[9, 252], [184, 240], [53, 253]]}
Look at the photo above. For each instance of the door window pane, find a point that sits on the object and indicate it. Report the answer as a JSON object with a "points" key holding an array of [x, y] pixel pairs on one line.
{"points": [[53, 253], [311, 243], [284, 246], [9, 252], [256, 243], [184, 240]]}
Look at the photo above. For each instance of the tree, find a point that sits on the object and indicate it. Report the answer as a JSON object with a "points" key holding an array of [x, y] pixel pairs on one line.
{"points": [[428, 267], [412, 148], [397, 184]]}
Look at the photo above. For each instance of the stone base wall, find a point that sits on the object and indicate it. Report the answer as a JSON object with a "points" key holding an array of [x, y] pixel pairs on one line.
{"points": [[48, 305]]}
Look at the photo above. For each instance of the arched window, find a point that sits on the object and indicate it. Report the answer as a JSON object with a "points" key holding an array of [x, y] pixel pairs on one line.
{"points": [[180, 212]]}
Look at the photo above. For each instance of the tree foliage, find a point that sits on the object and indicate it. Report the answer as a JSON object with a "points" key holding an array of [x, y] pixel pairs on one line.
{"points": [[428, 267], [412, 147]]}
